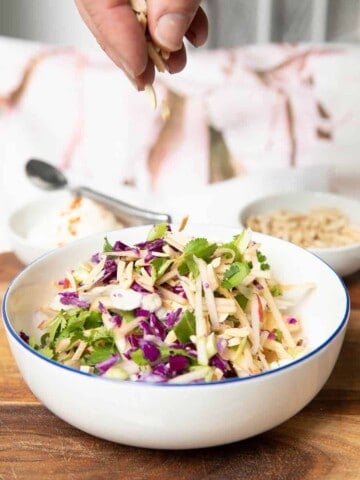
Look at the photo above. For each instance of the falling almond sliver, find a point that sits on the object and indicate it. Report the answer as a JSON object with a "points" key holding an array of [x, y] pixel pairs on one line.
{"points": [[157, 55]]}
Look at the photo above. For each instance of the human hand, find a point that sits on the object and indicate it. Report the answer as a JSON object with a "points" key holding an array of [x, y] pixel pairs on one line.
{"points": [[115, 26]]}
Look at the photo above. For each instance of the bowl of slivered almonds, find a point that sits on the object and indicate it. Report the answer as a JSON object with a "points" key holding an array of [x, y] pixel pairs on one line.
{"points": [[324, 223]]}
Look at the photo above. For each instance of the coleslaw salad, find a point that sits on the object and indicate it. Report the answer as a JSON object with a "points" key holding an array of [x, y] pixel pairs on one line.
{"points": [[173, 310]]}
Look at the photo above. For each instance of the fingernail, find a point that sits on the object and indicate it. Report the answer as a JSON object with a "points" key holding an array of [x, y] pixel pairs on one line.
{"points": [[171, 29], [128, 70], [128, 75], [191, 36]]}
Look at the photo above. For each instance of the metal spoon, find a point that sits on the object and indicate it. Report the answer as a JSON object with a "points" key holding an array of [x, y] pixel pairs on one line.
{"points": [[46, 176]]}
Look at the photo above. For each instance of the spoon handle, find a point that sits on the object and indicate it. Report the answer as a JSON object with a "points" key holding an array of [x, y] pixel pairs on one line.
{"points": [[129, 214]]}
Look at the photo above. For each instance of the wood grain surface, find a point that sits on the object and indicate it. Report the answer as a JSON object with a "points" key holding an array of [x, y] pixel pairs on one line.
{"points": [[321, 442]]}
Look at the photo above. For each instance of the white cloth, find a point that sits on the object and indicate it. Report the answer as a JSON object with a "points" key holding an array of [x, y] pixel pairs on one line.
{"points": [[287, 115]]}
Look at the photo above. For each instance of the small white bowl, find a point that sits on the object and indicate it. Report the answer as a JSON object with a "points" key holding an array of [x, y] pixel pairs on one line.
{"points": [[345, 260], [171, 416], [33, 227]]}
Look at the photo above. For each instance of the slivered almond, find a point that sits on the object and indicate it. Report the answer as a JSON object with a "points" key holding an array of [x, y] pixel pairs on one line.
{"points": [[165, 110], [237, 332], [127, 277], [149, 90], [156, 54], [120, 270], [176, 240], [155, 57], [183, 223], [190, 295], [165, 54], [167, 276], [139, 6], [172, 296], [79, 351], [142, 20], [62, 345]]}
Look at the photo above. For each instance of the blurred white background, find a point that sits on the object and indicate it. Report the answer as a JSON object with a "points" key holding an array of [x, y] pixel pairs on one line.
{"points": [[234, 22], [72, 109]]}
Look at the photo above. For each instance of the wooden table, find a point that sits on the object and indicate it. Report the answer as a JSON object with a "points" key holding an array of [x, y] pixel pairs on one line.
{"points": [[321, 442]]}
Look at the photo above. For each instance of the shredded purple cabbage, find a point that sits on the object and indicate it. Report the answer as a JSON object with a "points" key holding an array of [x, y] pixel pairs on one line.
{"points": [[190, 348], [291, 320], [258, 285], [147, 269], [149, 256], [108, 363], [172, 317], [218, 362], [116, 320], [150, 350], [134, 341], [146, 327], [138, 288], [179, 290], [150, 377], [96, 258], [72, 298], [223, 365], [158, 328], [121, 247], [153, 245], [102, 308], [110, 270], [177, 364], [141, 312], [24, 336], [161, 369]]}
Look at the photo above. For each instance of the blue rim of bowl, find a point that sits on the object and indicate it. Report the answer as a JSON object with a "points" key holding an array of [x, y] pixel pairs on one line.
{"points": [[224, 382]]}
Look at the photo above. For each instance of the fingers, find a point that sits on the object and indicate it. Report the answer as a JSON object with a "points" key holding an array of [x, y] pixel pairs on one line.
{"points": [[147, 77], [170, 20], [177, 60], [199, 28], [118, 32]]}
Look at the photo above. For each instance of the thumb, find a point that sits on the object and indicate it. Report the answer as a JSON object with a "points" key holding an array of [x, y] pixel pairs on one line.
{"points": [[170, 20]]}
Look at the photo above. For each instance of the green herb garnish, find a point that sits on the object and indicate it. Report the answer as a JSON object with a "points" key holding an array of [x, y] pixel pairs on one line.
{"points": [[235, 274], [157, 231], [185, 327]]}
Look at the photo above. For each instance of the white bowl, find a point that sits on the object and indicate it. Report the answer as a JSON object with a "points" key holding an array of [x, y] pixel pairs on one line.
{"points": [[171, 416], [344, 260], [43, 215]]}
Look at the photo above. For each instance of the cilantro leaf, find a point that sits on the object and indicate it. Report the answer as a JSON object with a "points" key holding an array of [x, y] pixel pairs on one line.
{"points": [[100, 354], [138, 357], [232, 246], [185, 327], [47, 351], [278, 335], [107, 245], [262, 260], [276, 291], [242, 301], [201, 248], [159, 266], [126, 315], [235, 274], [57, 324], [76, 321], [157, 231]]}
